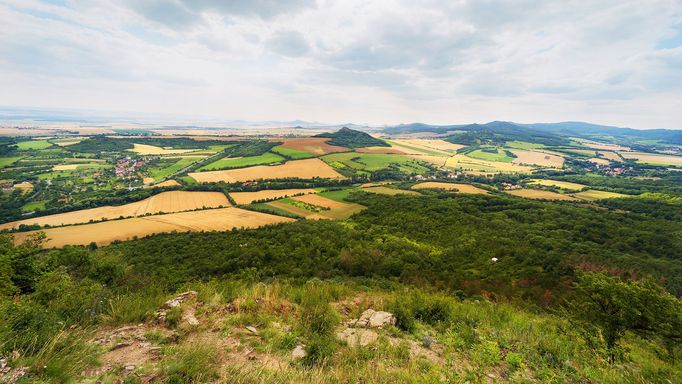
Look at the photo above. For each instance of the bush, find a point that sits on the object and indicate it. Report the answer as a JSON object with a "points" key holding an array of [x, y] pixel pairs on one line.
{"points": [[320, 350]]}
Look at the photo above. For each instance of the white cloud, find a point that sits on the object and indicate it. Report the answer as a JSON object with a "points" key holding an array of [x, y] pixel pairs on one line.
{"points": [[609, 61]]}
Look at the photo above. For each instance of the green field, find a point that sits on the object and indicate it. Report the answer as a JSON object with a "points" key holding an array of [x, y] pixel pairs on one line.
{"points": [[33, 144], [500, 155], [34, 206], [161, 173], [5, 161], [338, 195], [291, 153], [241, 162], [372, 162], [523, 145], [416, 149]]}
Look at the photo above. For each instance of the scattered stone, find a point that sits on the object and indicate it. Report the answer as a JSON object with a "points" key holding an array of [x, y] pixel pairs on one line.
{"points": [[179, 299], [354, 336], [287, 328], [374, 319], [3, 363], [120, 345], [252, 329], [189, 317], [299, 352], [129, 367], [12, 375]]}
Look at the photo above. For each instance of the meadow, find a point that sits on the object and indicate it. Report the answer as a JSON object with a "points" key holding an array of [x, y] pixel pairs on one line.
{"points": [[241, 162]]}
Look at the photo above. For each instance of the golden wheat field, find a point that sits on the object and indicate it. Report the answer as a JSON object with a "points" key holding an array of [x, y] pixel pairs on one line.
{"points": [[242, 198], [461, 188], [300, 169], [559, 184], [540, 194], [103, 233], [652, 158], [597, 145], [599, 161], [389, 191], [476, 166], [537, 158], [610, 155], [434, 144], [597, 195], [24, 186], [167, 183], [172, 201], [144, 149]]}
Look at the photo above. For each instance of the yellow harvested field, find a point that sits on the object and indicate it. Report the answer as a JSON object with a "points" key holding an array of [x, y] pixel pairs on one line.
{"points": [[222, 219], [597, 145], [319, 201], [610, 155], [540, 194], [476, 166], [242, 198], [65, 167], [461, 188], [312, 145], [389, 191], [652, 158], [415, 147], [147, 180], [432, 144], [537, 158], [597, 195], [167, 202], [167, 183], [435, 160], [300, 169], [66, 143], [559, 184], [144, 149], [599, 161], [337, 210], [24, 186]]}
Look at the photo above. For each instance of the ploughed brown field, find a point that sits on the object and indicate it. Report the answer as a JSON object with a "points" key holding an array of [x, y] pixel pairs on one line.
{"points": [[249, 197], [312, 145], [173, 201], [103, 233], [301, 169], [540, 194], [461, 188]]}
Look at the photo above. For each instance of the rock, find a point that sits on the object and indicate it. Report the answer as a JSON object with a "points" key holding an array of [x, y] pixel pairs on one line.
{"points": [[179, 299], [287, 328], [129, 367], [3, 363], [354, 336], [190, 318], [374, 319], [12, 375], [120, 345], [252, 329], [299, 352]]}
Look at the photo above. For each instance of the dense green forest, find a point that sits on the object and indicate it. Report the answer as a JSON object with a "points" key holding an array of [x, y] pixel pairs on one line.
{"points": [[350, 138]]}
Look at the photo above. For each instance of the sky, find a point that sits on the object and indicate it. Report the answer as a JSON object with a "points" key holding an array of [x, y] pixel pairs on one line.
{"points": [[616, 62]]}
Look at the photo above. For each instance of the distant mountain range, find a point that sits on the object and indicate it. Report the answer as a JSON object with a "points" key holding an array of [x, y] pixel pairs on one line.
{"points": [[562, 129]]}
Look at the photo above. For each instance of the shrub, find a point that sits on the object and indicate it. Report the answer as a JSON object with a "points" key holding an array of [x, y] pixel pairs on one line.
{"points": [[320, 350]]}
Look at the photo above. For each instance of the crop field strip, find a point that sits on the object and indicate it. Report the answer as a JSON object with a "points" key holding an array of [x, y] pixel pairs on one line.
{"points": [[540, 194], [313, 145], [243, 198], [537, 158], [459, 188], [167, 202], [221, 219], [559, 184], [301, 169]]}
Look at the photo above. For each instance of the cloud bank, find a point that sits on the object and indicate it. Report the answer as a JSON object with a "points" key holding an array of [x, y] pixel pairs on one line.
{"points": [[376, 62]]}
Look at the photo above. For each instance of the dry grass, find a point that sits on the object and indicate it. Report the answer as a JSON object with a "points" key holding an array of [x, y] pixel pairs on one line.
{"points": [[475, 166], [221, 219], [144, 149], [537, 158], [301, 169], [613, 156], [249, 197], [67, 143], [461, 188], [597, 195], [390, 191], [168, 183], [559, 184], [312, 145], [384, 150], [435, 160], [652, 158], [599, 161], [539, 194], [173, 201], [24, 186]]}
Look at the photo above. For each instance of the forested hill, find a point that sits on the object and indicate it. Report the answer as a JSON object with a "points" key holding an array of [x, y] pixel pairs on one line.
{"points": [[350, 138]]}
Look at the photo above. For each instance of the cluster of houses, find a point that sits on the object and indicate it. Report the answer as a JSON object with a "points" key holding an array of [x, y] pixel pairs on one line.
{"points": [[127, 167]]}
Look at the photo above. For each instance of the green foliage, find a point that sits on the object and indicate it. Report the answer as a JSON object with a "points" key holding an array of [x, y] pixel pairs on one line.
{"points": [[615, 307], [319, 350], [292, 154], [195, 363], [241, 162], [350, 138]]}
